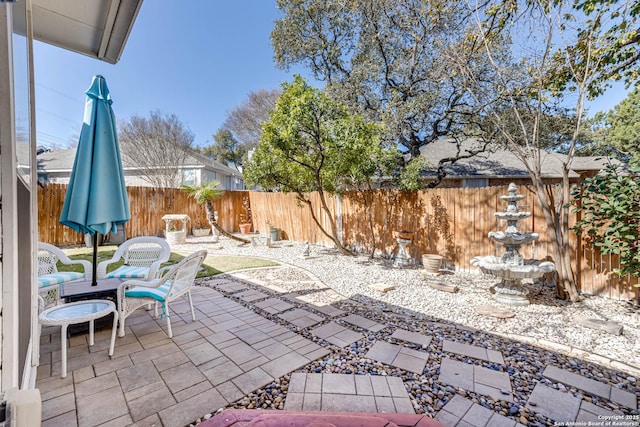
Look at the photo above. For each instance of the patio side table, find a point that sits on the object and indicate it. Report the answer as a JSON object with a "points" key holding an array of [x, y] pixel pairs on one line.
{"points": [[79, 312]]}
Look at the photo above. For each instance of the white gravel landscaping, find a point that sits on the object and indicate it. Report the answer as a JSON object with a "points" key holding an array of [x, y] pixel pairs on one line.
{"points": [[548, 322]]}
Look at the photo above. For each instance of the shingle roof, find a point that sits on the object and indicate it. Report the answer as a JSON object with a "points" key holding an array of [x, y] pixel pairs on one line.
{"points": [[62, 160], [497, 162]]}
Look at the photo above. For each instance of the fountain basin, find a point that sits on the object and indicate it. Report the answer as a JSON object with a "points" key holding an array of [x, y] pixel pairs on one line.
{"points": [[530, 269], [513, 198], [513, 238], [512, 216]]}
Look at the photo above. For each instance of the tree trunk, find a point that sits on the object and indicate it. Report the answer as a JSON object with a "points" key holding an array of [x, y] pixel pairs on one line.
{"points": [[212, 220], [559, 243], [333, 237], [367, 200]]}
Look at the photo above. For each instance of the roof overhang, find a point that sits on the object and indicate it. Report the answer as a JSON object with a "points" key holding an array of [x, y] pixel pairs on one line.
{"points": [[96, 28]]}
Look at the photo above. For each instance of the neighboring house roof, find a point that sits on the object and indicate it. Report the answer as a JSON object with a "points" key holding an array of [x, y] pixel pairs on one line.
{"points": [[497, 162], [197, 160], [62, 161]]}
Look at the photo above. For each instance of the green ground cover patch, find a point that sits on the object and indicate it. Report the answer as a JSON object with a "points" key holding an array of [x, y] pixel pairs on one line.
{"points": [[212, 265]]}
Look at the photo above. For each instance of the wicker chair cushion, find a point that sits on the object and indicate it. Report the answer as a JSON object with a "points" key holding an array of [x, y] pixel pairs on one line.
{"points": [[159, 294], [57, 278], [129, 272]]}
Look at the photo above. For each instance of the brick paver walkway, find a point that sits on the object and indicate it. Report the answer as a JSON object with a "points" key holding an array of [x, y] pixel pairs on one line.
{"points": [[234, 348], [228, 352]]}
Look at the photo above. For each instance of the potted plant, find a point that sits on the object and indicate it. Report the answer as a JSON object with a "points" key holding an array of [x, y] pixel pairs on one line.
{"points": [[199, 229], [437, 228], [432, 263], [245, 217], [403, 234], [174, 235]]}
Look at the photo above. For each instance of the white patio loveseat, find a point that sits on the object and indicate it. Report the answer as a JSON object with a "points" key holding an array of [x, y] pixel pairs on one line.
{"points": [[142, 258], [49, 278]]}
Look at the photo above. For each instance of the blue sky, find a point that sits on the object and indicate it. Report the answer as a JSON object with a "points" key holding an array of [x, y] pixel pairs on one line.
{"points": [[198, 62]]}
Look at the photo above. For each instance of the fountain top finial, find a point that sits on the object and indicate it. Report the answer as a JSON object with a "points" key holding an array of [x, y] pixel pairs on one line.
{"points": [[513, 195]]}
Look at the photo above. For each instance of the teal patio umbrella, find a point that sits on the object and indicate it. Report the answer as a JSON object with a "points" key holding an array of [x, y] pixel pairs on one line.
{"points": [[96, 199]]}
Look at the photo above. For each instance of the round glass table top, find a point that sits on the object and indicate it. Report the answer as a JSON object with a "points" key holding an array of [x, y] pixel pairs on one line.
{"points": [[77, 310]]}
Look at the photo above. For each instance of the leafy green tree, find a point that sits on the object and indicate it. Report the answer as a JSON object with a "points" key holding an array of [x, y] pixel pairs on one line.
{"points": [[226, 149], [313, 144], [242, 128], [620, 127], [387, 60], [608, 37], [609, 216]]}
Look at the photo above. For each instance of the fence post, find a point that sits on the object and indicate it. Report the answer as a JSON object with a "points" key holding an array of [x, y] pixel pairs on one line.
{"points": [[339, 217]]}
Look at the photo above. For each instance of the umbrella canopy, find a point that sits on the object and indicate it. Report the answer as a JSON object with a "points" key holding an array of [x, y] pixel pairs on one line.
{"points": [[96, 199]]}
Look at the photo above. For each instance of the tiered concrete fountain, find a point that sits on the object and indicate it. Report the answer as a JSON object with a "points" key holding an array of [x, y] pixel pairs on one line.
{"points": [[511, 267]]}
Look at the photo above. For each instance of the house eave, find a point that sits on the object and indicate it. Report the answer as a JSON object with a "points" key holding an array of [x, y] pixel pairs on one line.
{"points": [[95, 28]]}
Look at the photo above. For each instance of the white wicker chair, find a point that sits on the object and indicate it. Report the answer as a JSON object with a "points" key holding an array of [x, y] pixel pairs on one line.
{"points": [[142, 259], [177, 282], [49, 278]]}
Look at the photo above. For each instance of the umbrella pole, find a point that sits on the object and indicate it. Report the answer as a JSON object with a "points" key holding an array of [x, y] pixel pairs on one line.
{"points": [[94, 281]]}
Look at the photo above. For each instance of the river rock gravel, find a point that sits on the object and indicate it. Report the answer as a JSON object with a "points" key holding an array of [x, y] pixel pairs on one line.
{"points": [[547, 320], [541, 334]]}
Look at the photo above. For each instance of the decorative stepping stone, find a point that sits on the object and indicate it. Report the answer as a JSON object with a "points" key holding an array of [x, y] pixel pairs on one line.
{"points": [[492, 311], [398, 356], [554, 404], [346, 393], [363, 322], [599, 325], [274, 305], [337, 334], [328, 310], [461, 411], [474, 351], [413, 337], [301, 318], [381, 287], [591, 386], [232, 287], [476, 378], [442, 286], [251, 295]]}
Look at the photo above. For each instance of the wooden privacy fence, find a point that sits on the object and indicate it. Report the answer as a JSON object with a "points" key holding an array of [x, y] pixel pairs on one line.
{"points": [[147, 206], [453, 222]]}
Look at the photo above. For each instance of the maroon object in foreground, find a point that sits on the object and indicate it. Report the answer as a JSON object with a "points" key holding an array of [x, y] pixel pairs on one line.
{"points": [[273, 418]]}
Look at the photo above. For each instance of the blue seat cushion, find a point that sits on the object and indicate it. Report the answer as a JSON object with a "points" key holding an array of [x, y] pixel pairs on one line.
{"points": [[158, 294], [59, 277], [129, 272]]}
